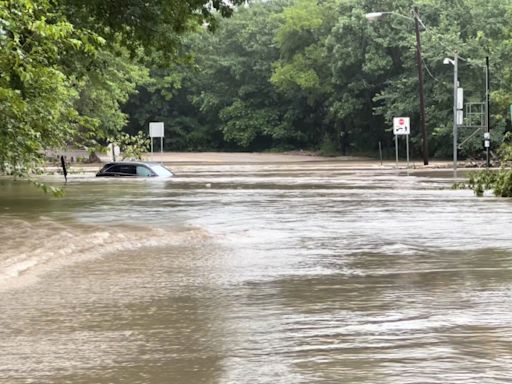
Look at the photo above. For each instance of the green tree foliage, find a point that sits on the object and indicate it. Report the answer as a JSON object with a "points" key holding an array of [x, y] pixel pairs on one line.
{"points": [[67, 66], [109, 81], [318, 74], [225, 100], [131, 147], [278, 74], [499, 182], [252, 114], [36, 94], [155, 26], [302, 72]]}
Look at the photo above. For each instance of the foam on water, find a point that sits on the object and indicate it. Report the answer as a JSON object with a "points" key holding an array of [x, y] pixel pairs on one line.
{"points": [[31, 249]]}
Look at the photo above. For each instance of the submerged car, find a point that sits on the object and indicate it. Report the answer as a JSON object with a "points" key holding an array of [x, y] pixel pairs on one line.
{"points": [[134, 169]]}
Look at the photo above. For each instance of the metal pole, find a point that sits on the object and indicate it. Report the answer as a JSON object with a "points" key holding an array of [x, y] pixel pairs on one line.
{"points": [[455, 133], [407, 149], [488, 96], [421, 89], [380, 152], [64, 170], [151, 148], [396, 151], [161, 145]]}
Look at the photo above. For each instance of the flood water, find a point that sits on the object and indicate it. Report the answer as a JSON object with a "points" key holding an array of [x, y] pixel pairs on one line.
{"points": [[256, 273]]}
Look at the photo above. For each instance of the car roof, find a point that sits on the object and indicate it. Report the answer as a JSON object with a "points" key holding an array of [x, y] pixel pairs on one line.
{"points": [[133, 163]]}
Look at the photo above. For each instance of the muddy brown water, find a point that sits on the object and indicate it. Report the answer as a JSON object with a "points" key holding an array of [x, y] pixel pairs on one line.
{"points": [[255, 273]]}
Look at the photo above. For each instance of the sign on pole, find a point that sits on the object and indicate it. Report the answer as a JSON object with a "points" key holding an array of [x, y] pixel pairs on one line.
{"points": [[401, 126], [460, 98], [156, 129], [460, 117]]}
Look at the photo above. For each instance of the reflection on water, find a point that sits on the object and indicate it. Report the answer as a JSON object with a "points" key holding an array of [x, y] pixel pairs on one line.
{"points": [[268, 273]]}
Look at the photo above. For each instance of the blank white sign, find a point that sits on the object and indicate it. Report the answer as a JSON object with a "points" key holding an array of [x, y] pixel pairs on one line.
{"points": [[156, 129]]}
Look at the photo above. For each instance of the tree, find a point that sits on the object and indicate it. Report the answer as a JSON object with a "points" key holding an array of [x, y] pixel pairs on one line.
{"points": [[36, 95], [224, 100], [65, 73], [301, 74], [155, 26]]}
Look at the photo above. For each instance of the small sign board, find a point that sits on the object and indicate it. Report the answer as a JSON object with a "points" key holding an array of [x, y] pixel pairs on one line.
{"points": [[460, 98], [156, 129], [460, 117], [401, 126]]}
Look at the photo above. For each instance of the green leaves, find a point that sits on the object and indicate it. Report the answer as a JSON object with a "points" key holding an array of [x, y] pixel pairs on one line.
{"points": [[36, 96], [68, 66], [132, 147], [500, 181], [281, 73]]}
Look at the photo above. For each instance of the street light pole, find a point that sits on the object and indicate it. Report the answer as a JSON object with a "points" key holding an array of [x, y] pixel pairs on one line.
{"points": [[488, 110], [455, 102], [419, 64], [455, 63]]}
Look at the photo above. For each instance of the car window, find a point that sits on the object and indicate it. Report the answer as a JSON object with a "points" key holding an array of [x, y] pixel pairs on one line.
{"points": [[144, 171], [122, 169], [113, 168], [105, 167], [128, 169], [160, 170]]}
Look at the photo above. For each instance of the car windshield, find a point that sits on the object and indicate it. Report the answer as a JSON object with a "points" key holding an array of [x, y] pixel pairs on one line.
{"points": [[161, 170]]}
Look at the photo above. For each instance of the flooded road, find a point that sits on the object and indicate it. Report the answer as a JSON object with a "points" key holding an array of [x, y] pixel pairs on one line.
{"points": [[256, 273]]}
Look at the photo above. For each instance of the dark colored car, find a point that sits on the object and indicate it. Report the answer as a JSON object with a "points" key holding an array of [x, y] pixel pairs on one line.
{"points": [[134, 169]]}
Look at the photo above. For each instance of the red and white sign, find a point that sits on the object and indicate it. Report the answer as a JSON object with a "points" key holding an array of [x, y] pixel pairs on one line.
{"points": [[401, 126]]}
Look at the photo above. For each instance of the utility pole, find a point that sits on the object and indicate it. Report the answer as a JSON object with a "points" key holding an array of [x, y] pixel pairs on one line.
{"points": [[421, 89], [488, 118], [416, 18], [455, 102]]}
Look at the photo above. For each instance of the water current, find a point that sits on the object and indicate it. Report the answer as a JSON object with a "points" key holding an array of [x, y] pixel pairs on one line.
{"points": [[255, 273]]}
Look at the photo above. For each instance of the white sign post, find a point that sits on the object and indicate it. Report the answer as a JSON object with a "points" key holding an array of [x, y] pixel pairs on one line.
{"points": [[402, 126], [156, 129]]}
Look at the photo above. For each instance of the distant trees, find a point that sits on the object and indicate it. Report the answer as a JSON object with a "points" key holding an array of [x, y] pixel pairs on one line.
{"points": [[289, 74]]}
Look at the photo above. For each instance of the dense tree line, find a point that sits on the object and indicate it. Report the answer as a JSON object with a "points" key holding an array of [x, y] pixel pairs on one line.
{"points": [[276, 75], [286, 74]]}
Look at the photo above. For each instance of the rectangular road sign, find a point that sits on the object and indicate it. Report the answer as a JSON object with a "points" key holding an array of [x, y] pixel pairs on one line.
{"points": [[156, 129], [401, 126], [460, 98], [460, 117]]}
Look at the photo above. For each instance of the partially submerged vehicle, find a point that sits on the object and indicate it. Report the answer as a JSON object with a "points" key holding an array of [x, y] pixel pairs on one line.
{"points": [[134, 169]]}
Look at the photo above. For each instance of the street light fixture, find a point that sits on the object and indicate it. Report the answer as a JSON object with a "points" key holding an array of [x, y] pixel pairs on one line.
{"points": [[372, 16]]}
